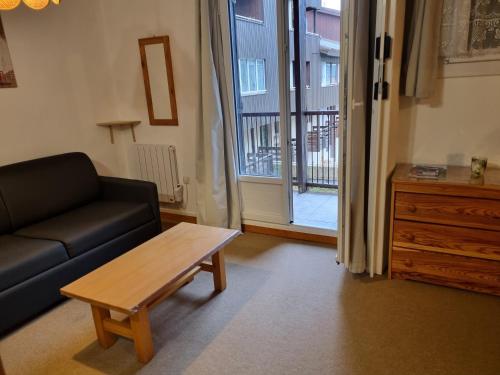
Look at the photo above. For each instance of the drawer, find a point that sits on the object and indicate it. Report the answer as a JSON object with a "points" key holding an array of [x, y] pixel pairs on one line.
{"points": [[444, 269], [442, 209], [476, 243]]}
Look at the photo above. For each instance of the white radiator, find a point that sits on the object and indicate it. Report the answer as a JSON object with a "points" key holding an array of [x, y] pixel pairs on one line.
{"points": [[158, 164]]}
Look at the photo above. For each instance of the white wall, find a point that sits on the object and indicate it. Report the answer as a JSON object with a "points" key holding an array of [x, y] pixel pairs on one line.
{"points": [[78, 64], [461, 120], [64, 86], [126, 22]]}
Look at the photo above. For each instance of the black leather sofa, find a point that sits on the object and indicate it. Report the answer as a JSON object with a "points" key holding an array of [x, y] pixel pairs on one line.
{"points": [[58, 221]]}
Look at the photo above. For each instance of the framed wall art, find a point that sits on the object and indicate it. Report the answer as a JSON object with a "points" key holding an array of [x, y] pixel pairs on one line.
{"points": [[7, 75]]}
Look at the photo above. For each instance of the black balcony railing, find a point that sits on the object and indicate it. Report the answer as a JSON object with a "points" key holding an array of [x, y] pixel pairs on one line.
{"points": [[260, 146]]}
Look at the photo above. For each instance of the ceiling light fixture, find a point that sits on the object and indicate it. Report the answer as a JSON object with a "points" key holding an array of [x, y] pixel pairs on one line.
{"points": [[9, 4], [33, 4]]}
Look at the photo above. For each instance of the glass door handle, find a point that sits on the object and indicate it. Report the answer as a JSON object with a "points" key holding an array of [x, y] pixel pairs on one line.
{"points": [[356, 104]]}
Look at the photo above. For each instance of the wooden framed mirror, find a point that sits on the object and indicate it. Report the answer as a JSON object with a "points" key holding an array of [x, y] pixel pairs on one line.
{"points": [[156, 62]]}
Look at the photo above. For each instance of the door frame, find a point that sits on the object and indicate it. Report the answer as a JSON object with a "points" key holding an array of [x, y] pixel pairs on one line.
{"points": [[283, 23], [283, 183], [345, 92], [378, 150], [385, 116], [248, 182]]}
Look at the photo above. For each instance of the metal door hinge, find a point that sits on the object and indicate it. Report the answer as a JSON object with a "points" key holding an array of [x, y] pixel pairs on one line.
{"points": [[385, 90], [381, 87], [387, 47]]}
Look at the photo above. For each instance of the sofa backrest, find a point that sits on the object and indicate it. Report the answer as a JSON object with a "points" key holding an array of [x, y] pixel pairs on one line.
{"points": [[5, 226], [38, 189]]}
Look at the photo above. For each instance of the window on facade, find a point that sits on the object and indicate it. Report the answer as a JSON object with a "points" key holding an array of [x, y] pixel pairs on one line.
{"points": [[308, 74], [253, 9], [329, 74], [264, 131], [252, 76]]}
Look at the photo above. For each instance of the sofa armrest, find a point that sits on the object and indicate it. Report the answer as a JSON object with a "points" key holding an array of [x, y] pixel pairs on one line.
{"points": [[122, 189]]}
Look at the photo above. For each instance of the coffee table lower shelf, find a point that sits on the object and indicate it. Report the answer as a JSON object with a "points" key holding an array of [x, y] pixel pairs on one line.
{"points": [[137, 326]]}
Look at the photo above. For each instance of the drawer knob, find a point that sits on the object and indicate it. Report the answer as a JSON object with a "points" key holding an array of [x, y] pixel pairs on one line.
{"points": [[412, 208]]}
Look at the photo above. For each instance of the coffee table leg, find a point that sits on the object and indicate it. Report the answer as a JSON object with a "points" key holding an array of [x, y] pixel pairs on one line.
{"points": [[141, 332], [105, 338], [219, 271], [2, 370]]}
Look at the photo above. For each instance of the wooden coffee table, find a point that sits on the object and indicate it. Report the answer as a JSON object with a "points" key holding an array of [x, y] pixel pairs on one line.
{"points": [[143, 277]]}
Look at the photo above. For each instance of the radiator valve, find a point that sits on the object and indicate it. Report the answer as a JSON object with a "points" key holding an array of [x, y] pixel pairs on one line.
{"points": [[179, 193]]}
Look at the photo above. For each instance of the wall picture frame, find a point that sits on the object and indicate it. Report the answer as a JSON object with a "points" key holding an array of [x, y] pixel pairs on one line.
{"points": [[7, 75]]}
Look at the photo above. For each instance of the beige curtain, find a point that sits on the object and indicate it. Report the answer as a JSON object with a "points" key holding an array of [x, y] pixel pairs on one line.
{"points": [[217, 184], [455, 27], [421, 47]]}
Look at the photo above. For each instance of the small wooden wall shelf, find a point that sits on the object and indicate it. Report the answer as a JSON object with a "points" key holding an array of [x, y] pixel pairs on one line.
{"points": [[119, 124]]}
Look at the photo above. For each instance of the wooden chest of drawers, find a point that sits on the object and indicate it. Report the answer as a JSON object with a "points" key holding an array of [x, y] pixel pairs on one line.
{"points": [[447, 231]]}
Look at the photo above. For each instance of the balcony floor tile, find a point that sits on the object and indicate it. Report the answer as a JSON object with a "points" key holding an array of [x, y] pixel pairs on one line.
{"points": [[318, 210]]}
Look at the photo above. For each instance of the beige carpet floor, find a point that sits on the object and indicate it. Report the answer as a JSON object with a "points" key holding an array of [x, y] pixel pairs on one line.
{"points": [[288, 309]]}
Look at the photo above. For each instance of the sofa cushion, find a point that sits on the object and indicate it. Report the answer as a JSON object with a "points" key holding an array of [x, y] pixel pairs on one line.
{"points": [[92, 225], [22, 258], [38, 189]]}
